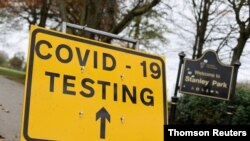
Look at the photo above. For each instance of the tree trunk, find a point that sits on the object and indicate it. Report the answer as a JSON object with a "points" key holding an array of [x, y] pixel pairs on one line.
{"points": [[83, 12], [203, 27], [201, 23], [196, 41], [44, 13], [94, 13], [244, 31], [62, 8]]}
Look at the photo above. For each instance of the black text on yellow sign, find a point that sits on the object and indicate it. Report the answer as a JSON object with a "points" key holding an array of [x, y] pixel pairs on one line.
{"points": [[75, 86], [87, 83]]}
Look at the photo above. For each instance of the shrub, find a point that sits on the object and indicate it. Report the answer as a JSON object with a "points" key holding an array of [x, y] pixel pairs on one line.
{"points": [[200, 110]]}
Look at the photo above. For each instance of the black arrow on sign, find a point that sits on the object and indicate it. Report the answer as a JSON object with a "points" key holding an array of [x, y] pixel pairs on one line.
{"points": [[103, 114]]}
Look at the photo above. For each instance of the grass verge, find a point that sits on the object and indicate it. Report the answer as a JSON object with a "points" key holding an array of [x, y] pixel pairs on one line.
{"points": [[15, 75]]}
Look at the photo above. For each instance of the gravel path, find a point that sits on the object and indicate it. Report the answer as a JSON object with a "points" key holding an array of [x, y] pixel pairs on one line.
{"points": [[11, 99]]}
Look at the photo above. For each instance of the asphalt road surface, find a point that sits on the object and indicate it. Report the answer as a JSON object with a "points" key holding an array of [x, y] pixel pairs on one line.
{"points": [[11, 99]]}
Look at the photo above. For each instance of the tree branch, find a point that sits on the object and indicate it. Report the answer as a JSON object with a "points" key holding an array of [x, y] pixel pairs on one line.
{"points": [[136, 11], [237, 12]]}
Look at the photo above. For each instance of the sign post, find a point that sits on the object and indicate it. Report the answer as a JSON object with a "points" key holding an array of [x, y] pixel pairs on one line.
{"points": [[81, 89], [230, 107], [175, 98]]}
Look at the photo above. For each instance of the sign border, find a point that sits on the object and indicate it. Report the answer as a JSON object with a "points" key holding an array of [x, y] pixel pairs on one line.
{"points": [[82, 40], [222, 64]]}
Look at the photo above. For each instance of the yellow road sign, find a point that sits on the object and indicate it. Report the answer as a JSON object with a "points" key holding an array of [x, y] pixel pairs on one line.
{"points": [[80, 89]]}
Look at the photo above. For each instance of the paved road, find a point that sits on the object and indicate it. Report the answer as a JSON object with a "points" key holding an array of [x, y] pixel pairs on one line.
{"points": [[11, 99]]}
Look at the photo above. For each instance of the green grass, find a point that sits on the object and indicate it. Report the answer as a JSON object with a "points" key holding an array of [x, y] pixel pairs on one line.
{"points": [[12, 74]]}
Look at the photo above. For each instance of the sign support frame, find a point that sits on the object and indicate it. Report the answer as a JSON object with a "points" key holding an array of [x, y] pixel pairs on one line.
{"points": [[99, 32]]}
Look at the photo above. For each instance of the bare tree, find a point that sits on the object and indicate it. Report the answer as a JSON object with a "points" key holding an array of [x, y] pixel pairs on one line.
{"points": [[208, 26], [33, 11]]}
